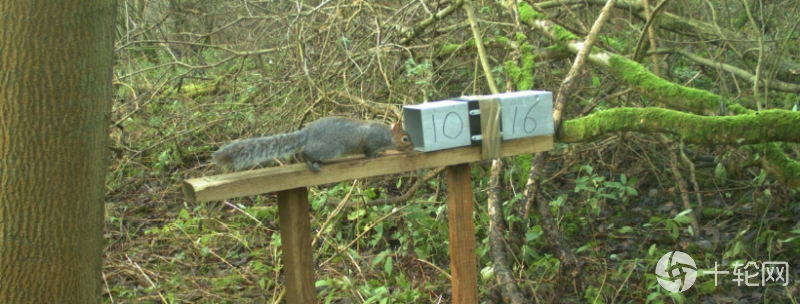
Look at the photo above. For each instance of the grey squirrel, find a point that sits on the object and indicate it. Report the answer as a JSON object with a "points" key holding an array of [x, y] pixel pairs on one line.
{"points": [[321, 140]]}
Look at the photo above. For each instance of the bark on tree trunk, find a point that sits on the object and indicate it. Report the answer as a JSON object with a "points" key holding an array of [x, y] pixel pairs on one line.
{"points": [[56, 60]]}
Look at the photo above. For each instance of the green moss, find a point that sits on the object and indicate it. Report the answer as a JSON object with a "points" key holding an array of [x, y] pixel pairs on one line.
{"points": [[526, 48], [556, 48], [503, 40], [677, 96], [448, 49], [520, 38], [512, 70], [526, 12], [528, 60], [615, 44], [711, 212], [522, 77], [696, 129], [563, 35], [470, 43], [738, 109], [786, 170]]}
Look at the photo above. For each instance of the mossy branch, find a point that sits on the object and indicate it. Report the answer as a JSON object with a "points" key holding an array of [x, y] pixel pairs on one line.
{"points": [[747, 127], [639, 78], [778, 165], [786, 67], [766, 126], [776, 85]]}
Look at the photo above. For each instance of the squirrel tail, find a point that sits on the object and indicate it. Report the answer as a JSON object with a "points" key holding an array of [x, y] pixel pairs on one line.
{"points": [[246, 153]]}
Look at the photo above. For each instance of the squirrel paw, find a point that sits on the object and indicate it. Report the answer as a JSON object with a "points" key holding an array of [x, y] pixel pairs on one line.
{"points": [[313, 166], [372, 154]]}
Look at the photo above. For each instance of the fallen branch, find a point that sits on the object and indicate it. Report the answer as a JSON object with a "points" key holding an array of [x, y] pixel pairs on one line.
{"points": [[765, 126], [415, 31]]}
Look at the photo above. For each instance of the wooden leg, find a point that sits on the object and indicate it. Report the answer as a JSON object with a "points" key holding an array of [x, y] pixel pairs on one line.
{"points": [[463, 264], [295, 225]]}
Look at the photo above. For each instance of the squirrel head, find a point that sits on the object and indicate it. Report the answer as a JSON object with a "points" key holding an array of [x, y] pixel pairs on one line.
{"points": [[402, 141]]}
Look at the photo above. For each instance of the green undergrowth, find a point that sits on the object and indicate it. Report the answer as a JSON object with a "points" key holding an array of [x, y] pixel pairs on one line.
{"points": [[161, 249], [615, 202]]}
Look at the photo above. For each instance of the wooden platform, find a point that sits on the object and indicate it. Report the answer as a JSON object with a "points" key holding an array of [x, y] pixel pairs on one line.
{"points": [[292, 184], [224, 186]]}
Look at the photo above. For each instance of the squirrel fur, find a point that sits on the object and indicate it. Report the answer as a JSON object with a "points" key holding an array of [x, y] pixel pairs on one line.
{"points": [[321, 140]]}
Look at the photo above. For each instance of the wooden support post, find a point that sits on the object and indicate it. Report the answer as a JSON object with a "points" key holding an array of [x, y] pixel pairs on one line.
{"points": [[463, 264], [295, 225]]}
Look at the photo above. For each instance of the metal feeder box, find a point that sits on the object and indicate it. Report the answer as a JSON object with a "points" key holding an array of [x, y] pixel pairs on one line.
{"points": [[437, 125]]}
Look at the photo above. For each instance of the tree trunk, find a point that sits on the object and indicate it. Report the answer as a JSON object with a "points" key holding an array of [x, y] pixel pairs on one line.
{"points": [[56, 59]]}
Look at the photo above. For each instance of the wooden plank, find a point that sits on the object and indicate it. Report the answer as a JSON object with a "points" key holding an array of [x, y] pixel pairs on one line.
{"points": [[259, 181], [295, 228], [463, 263]]}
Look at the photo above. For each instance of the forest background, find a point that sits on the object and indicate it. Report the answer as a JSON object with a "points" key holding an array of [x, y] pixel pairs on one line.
{"points": [[679, 133]]}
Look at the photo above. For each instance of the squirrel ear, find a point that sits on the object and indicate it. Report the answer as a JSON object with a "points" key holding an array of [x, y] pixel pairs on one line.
{"points": [[395, 127]]}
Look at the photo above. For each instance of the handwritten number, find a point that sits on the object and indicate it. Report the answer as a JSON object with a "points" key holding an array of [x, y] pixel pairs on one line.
{"points": [[529, 119], [460, 125], [433, 123], [514, 122]]}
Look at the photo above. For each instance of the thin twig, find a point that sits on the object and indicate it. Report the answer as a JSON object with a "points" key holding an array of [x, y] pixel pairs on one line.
{"points": [[146, 277]]}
